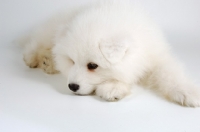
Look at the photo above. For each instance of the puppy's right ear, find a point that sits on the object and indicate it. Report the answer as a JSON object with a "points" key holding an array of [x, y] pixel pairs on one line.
{"points": [[114, 49]]}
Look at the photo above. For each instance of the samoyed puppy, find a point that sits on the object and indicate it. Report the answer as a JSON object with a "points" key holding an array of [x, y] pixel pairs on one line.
{"points": [[109, 47]]}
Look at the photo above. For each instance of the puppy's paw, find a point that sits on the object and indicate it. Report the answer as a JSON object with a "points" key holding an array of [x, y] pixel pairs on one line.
{"points": [[190, 98], [47, 64], [41, 58], [112, 90], [31, 60]]}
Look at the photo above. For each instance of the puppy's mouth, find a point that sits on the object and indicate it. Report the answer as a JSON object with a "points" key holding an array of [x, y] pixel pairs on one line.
{"points": [[80, 94]]}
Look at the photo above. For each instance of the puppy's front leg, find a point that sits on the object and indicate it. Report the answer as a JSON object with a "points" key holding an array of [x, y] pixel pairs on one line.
{"points": [[112, 90]]}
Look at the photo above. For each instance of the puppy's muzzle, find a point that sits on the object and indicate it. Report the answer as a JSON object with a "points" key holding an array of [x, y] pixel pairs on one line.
{"points": [[73, 87]]}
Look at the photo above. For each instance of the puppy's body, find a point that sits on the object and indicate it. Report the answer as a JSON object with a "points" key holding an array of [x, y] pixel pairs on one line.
{"points": [[127, 46]]}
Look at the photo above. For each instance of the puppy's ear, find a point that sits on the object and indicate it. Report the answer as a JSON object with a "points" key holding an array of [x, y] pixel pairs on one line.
{"points": [[114, 49]]}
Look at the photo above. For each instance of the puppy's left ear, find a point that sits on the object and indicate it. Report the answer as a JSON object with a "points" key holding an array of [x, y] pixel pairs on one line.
{"points": [[114, 49]]}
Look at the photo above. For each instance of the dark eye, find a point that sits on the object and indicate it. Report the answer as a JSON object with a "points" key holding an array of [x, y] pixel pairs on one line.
{"points": [[92, 66]]}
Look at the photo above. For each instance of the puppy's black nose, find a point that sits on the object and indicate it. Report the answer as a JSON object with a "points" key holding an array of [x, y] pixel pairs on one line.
{"points": [[73, 87]]}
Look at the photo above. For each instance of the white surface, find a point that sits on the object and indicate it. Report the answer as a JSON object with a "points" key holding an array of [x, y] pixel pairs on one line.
{"points": [[31, 101]]}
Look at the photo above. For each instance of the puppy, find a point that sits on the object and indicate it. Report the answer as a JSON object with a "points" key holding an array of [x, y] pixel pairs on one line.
{"points": [[109, 47]]}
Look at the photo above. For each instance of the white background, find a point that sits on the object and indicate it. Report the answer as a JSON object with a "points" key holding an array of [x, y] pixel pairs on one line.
{"points": [[31, 101]]}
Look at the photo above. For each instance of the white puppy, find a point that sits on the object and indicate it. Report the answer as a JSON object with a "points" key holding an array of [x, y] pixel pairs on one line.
{"points": [[108, 47]]}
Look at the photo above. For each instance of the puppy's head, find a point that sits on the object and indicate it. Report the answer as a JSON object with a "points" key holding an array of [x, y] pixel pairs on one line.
{"points": [[87, 64]]}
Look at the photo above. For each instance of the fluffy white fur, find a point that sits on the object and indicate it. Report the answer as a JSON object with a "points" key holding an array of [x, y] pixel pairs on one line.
{"points": [[127, 46]]}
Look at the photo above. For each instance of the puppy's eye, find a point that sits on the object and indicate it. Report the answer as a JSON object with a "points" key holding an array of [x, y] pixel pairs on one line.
{"points": [[92, 66]]}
